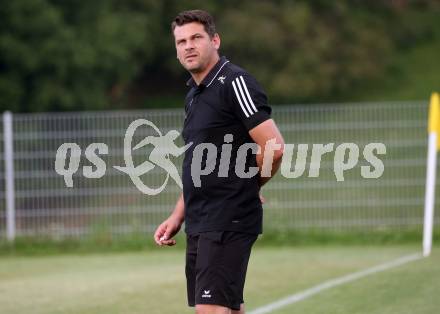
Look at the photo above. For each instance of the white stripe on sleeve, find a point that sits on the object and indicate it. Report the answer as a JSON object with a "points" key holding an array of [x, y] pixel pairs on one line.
{"points": [[239, 100], [247, 93], [237, 80]]}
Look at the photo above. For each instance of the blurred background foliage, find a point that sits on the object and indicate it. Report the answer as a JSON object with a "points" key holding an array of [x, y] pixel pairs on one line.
{"points": [[64, 55]]}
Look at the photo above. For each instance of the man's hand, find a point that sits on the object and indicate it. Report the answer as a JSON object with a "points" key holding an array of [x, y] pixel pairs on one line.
{"points": [[166, 230]]}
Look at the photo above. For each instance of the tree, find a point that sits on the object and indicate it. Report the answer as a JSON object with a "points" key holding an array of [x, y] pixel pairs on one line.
{"points": [[69, 55]]}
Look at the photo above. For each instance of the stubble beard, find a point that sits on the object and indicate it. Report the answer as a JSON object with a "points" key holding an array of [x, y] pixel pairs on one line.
{"points": [[199, 66], [195, 68]]}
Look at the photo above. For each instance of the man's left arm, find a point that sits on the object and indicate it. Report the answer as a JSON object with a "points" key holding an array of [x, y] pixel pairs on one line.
{"points": [[249, 103], [267, 136]]}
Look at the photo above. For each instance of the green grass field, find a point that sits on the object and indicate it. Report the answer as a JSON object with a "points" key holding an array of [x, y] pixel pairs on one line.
{"points": [[153, 281]]}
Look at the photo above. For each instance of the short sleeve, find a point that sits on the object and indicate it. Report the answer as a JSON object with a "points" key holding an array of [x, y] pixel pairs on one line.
{"points": [[249, 101]]}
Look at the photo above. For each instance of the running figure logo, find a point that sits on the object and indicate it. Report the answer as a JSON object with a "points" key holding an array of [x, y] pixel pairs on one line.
{"points": [[163, 147]]}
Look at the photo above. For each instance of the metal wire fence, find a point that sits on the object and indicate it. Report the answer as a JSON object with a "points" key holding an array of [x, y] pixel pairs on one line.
{"points": [[44, 206]]}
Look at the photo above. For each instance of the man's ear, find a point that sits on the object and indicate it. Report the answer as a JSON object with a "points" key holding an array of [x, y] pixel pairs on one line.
{"points": [[216, 40]]}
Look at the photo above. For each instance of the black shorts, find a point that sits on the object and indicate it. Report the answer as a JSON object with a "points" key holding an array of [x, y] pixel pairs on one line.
{"points": [[216, 265]]}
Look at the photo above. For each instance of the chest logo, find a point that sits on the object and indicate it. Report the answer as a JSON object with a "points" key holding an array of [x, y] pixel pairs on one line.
{"points": [[222, 79]]}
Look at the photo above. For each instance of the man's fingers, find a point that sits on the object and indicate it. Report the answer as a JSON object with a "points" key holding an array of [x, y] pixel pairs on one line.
{"points": [[158, 242], [170, 242], [157, 237], [160, 232], [163, 240], [163, 235], [169, 233]]}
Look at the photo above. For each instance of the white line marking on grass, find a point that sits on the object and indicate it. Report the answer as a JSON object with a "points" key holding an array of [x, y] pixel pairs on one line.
{"points": [[333, 283]]}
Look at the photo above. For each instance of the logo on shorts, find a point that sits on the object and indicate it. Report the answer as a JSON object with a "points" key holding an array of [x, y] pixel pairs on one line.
{"points": [[206, 294]]}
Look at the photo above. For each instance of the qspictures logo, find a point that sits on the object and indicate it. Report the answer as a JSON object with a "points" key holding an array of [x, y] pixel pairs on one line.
{"points": [[346, 157]]}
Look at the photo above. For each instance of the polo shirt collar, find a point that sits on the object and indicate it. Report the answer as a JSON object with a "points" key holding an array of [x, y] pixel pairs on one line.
{"points": [[211, 75]]}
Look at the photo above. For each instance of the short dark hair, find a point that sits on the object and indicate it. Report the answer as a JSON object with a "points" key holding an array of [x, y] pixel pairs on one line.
{"points": [[198, 16]]}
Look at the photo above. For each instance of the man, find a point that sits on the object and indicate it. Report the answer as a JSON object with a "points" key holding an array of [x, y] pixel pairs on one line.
{"points": [[227, 109]]}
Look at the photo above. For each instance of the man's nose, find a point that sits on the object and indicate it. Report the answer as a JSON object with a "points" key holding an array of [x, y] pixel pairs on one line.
{"points": [[189, 45]]}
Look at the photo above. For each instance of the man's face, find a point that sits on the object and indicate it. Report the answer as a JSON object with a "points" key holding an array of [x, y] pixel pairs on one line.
{"points": [[195, 49]]}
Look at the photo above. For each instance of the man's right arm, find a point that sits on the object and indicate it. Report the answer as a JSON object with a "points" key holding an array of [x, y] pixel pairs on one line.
{"points": [[169, 228]]}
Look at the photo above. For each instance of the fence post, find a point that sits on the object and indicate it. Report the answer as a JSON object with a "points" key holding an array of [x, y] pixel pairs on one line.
{"points": [[431, 169], [9, 175]]}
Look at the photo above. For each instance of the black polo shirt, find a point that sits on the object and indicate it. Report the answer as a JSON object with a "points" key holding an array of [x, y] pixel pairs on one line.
{"points": [[220, 111]]}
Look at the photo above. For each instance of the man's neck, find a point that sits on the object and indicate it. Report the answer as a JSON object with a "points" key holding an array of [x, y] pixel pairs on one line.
{"points": [[198, 77]]}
